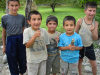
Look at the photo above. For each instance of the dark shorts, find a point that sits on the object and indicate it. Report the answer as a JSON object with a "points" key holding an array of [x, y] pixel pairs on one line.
{"points": [[88, 52]]}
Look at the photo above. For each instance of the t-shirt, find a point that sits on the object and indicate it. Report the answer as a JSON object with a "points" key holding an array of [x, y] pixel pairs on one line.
{"points": [[52, 47], [38, 51], [13, 24], [70, 56]]}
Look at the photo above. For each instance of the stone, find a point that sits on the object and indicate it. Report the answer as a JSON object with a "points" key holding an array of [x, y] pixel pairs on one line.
{"points": [[87, 69]]}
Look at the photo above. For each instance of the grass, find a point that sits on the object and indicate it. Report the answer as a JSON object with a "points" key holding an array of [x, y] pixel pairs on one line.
{"points": [[60, 13]]}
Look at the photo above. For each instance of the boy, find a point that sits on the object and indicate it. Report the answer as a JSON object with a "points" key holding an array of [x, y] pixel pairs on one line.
{"points": [[12, 36], [35, 40], [88, 29], [69, 43], [53, 61]]}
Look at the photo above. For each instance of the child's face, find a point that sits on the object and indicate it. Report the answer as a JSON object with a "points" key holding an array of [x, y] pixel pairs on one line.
{"points": [[35, 21], [13, 7], [69, 27], [51, 26], [90, 12]]}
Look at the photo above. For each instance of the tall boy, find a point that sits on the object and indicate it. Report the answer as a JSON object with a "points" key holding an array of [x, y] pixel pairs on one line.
{"points": [[69, 43], [88, 29], [53, 61], [35, 40], [12, 36]]}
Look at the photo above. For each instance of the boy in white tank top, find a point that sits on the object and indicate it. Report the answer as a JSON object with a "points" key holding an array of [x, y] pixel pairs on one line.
{"points": [[88, 29]]}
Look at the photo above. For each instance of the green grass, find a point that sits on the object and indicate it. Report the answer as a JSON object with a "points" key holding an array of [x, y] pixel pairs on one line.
{"points": [[60, 13]]}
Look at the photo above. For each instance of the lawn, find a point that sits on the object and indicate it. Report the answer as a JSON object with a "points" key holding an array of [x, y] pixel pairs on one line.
{"points": [[60, 13]]}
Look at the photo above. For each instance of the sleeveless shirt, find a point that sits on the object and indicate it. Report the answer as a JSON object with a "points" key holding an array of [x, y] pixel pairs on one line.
{"points": [[85, 33]]}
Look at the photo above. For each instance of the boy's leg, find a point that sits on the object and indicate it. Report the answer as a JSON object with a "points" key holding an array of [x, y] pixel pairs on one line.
{"points": [[80, 66], [90, 54], [64, 67], [21, 55], [42, 68], [11, 55], [32, 68], [49, 64], [56, 65], [82, 54], [73, 69], [94, 66]]}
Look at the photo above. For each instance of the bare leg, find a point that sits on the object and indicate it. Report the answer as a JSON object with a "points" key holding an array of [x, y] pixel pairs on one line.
{"points": [[80, 66], [94, 66]]}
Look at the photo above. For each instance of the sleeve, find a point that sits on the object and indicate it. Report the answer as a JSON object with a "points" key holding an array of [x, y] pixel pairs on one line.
{"points": [[25, 36], [80, 44], [46, 38], [3, 23], [60, 43]]}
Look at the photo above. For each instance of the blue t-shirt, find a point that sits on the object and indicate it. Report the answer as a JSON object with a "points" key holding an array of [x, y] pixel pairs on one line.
{"points": [[70, 56]]}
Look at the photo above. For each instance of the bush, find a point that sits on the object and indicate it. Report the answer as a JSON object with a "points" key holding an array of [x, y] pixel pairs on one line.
{"points": [[3, 4], [98, 19]]}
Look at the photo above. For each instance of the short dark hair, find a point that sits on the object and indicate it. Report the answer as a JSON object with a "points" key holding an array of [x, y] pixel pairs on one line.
{"points": [[13, 0], [68, 18], [32, 13], [51, 18], [91, 4]]}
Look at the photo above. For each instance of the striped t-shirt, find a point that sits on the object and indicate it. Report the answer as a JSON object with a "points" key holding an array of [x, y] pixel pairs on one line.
{"points": [[13, 24]]}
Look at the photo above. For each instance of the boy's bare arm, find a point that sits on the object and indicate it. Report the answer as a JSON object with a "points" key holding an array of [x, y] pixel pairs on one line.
{"points": [[31, 41], [4, 40], [64, 48], [23, 29], [78, 25], [75, 48], [95, 31], [70, 47]]}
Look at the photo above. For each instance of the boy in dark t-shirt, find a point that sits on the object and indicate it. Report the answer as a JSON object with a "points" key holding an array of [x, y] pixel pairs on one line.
{"points": [[12, 36]]}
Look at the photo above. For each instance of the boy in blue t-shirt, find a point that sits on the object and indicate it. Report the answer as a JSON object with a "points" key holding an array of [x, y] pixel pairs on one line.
{"points": [[69, 43]]}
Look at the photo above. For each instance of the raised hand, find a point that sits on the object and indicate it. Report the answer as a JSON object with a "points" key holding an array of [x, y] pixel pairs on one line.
{"points": [[37, 33]]}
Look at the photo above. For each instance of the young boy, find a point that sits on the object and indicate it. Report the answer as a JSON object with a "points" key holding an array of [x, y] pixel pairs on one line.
{"points": [[88, 29], [69, 43], [12, 36], [53, 61], [35, 40]]}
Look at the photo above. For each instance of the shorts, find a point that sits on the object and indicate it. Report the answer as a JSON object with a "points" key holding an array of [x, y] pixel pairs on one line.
{"points": [[88, 52], [37, 68], [71, 68], [53, 62]]}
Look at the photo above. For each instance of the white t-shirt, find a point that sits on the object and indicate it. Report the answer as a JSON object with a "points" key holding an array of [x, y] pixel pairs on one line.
{"points": [[38, 51]]}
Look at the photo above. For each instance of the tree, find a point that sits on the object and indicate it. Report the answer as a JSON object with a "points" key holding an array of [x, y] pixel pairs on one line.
{"points": [[30, 5], [51, 3], [7, 10]]}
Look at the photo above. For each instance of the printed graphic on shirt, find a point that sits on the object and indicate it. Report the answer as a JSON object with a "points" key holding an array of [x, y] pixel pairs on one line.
{"points": [[38, 45], [52, 47]]}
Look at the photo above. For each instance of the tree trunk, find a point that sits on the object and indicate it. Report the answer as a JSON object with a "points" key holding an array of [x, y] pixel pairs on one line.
{"points": [[27, 10], [7, 10], [53, 6], [30, 5]]}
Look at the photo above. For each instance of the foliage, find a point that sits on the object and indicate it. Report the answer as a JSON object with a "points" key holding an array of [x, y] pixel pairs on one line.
{"points": [[98, 19], [80, 3], [3, 4]]}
